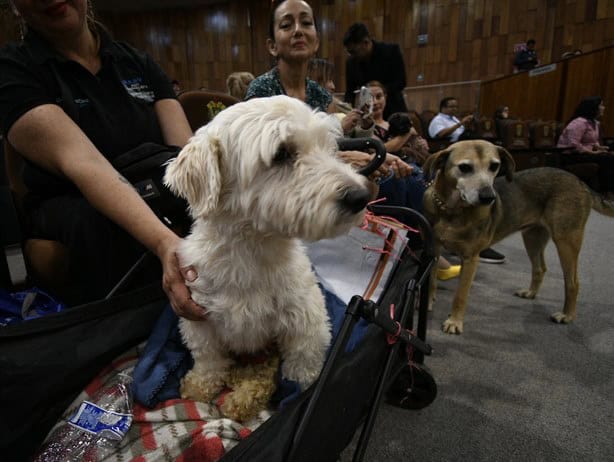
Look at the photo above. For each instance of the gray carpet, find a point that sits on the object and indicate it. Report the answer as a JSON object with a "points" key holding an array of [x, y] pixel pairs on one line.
{"points": [[515, 386]]}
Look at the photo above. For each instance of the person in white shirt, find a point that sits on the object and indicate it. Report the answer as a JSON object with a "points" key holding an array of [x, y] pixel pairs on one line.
{"points": [[445, 124]]}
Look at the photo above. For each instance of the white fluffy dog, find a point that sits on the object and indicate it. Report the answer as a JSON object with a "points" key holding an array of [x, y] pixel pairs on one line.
{"points": [[260, 176]]}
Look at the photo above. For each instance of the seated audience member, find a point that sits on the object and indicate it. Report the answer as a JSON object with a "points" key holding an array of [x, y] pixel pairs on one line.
{"points": [[290, 74], [75, 195], [176, 87], [526, 59], [237, 84], [398, 133], [445, 125], [501, 113], [582, 132]]}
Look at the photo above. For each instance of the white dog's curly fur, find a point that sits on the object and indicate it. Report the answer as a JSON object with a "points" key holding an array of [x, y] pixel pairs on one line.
{"points": [[257, 178]]}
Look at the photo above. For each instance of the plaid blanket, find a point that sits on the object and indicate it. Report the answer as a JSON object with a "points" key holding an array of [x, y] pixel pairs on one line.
{"points": [[177, 429]]}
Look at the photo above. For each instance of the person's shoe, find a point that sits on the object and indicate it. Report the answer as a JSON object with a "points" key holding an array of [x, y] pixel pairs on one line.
{"points": [[491, 256], [448, 273]]}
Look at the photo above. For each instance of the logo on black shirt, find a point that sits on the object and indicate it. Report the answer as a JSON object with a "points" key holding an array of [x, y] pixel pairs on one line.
{"points": [[139, 90]]}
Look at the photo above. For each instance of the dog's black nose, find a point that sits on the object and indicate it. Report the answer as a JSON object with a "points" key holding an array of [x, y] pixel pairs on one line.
{"points": [[486, 196], [355, 200]]}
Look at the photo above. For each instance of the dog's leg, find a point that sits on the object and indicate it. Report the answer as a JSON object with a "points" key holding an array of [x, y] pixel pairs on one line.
{"points": [[535, 240], [304, 341], [454, 323], [569, 250], [433, 278], [208, 375]]}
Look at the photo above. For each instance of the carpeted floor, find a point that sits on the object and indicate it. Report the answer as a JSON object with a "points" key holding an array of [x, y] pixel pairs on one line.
{"points": [[515, 386]]}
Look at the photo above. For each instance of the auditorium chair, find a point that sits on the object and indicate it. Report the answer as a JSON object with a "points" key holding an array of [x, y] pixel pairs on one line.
{"points": [[543, 134], [514, 134], [194, 103], [417, 123], [425, 120], [486, 129]]}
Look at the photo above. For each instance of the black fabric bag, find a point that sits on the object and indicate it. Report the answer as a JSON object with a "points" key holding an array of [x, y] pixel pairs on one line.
{"points": [[144, 167], [46, 362]]}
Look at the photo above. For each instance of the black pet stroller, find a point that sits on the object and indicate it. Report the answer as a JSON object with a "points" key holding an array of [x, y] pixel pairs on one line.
{"points": [[46, 362]]}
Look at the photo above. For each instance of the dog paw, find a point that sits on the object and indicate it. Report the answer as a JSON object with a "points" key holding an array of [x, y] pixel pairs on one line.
{"points": [[526, 293], [561, 318], [243, 407], [452, 326], [204, 388]]}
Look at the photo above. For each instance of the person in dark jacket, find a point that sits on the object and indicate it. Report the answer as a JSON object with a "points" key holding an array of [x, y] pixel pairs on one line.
{"points": [[526, 59], [372, 60]]}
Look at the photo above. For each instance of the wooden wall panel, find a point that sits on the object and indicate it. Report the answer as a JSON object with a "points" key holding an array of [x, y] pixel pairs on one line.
{"points": [[528, 97]]}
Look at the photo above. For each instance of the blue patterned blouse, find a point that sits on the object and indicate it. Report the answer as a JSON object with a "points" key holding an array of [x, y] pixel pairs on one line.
{"points": [[268, 84]]}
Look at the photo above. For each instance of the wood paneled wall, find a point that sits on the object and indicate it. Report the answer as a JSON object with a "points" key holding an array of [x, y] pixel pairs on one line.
{"points": [[467, 39]]}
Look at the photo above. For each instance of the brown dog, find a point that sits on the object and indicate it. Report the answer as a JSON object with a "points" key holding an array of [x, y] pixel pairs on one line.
{"points": [[470, 210]]}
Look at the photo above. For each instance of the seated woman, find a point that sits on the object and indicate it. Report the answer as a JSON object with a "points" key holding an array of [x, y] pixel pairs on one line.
{"points": [[502, 113], [72, 99], [582, 136], [582, 132]]}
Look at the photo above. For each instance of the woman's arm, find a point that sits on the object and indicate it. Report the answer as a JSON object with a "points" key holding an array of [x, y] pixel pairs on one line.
{"points": [[395, 143], [173, 122], [49, 138]]}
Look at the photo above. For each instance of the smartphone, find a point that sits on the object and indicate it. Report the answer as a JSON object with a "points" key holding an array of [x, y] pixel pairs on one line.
{"points": [[364, 101]]}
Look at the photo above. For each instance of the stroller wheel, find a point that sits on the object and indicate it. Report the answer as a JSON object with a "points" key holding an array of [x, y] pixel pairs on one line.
{"points": [[413, 388]]}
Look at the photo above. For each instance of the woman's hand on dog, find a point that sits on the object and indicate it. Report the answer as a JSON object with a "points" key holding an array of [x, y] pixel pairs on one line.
{"points": [[174, 283]]}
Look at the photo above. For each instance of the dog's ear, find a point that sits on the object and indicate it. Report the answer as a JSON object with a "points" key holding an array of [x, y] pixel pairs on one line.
{"points": [[508, 165], [195, 174], [435, 162]]}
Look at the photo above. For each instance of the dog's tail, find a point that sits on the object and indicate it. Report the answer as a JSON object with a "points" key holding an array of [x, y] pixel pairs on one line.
{"points": [[603, 205]]}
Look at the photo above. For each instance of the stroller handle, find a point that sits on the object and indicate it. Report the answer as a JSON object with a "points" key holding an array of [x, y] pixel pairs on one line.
{"points": [[362, 144]]}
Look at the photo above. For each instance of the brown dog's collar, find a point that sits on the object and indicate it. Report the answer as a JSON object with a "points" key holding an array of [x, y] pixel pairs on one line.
{"points": [[438, 201]]}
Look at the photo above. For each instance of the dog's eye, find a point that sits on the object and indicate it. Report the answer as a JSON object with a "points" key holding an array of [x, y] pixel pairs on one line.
{"points": [[465, 168], [494, 167], [283, 154]]}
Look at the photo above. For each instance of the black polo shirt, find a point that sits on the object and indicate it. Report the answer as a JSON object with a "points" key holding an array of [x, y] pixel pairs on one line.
{"points": [[114, 108]]}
